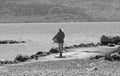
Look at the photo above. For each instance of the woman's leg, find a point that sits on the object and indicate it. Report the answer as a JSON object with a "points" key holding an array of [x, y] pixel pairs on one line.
{"points": [[60, 48]]}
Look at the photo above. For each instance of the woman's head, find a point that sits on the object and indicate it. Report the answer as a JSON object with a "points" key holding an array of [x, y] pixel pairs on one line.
{"points": [[60, 30]]}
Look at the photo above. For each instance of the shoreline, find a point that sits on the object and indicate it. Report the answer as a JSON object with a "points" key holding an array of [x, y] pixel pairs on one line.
{"points": [[71, 52], [80, 60]]}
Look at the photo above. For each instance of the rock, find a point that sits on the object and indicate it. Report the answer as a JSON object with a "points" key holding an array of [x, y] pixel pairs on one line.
{"points": [[32, 56], [118, 50], [119, 43], [11, 42], [105, 40], [92, 64], [71, 47], [98, 56], [81, 45], [75, 46], [108, 57], [111, 44], [116, 39], [115, 56], [66, 47], [98, 44], [3, 61], [22, 42], [53, 51], [39, 53], [87, 45], [21, 58], [36, 57], [92, 69], [92, 44], [10, 62], [95, 69], [4, 42], [42, 53]]}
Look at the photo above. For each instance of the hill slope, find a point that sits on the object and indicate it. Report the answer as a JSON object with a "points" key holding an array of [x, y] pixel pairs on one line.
{"points": [[59, 10]]}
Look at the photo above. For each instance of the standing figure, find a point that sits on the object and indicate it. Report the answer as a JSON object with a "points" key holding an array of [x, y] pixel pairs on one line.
{"points": [[59, 38]]}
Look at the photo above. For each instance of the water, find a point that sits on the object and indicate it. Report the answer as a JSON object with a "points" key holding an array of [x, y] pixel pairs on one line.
{"points": [[39, 35], [69, 28], [42, 33]]}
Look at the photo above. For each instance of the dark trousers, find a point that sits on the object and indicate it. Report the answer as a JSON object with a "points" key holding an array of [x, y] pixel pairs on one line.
{"points": [[60, 48]]}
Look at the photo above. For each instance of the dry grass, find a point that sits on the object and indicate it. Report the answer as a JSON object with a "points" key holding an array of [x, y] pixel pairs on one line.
{"points": [[64, 68]]}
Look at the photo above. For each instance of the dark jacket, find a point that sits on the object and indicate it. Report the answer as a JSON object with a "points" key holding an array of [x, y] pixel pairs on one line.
{"points": [[60, 37]]}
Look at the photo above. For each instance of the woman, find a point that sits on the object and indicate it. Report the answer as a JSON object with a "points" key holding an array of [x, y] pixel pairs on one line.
{"points": [[59, 38]]}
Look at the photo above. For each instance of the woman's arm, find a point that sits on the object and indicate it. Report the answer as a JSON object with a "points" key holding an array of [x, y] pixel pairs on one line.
{"points": [[55, 36]]}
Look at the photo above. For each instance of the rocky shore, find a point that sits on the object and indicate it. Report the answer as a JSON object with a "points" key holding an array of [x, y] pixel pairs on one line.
{"points": [[105, 41], [24, 58], [98, 65]]}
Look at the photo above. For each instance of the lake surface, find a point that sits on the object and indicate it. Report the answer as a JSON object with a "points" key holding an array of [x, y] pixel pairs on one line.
{"points": [[69, 28], [79, 32], [38, 35]]}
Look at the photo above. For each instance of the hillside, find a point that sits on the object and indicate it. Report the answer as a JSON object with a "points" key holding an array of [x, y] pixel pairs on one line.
{"points": [[59, 10]]}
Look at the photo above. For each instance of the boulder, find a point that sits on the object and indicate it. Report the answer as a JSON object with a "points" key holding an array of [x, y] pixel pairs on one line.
{"points": [[39, 53], [108, 57], [98, 56], [32, 56], [71, 47], [118, 49], [115, 56], [111, 44], [86, 45], [42, 53], [66, 47], [53, 50], [4, 42], [98, 44], [75, 46], [105, 40], [119, 43], [21, 58], [45, 54], [3, 61], [6, 62], [91, 44], [116, 39], [10, 62]]}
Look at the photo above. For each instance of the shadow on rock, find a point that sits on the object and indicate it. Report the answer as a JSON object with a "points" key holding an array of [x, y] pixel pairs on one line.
{"points": [[21, 58]]}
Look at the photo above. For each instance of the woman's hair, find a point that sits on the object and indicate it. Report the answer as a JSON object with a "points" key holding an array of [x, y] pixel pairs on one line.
{"points": [[60, 29]]}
